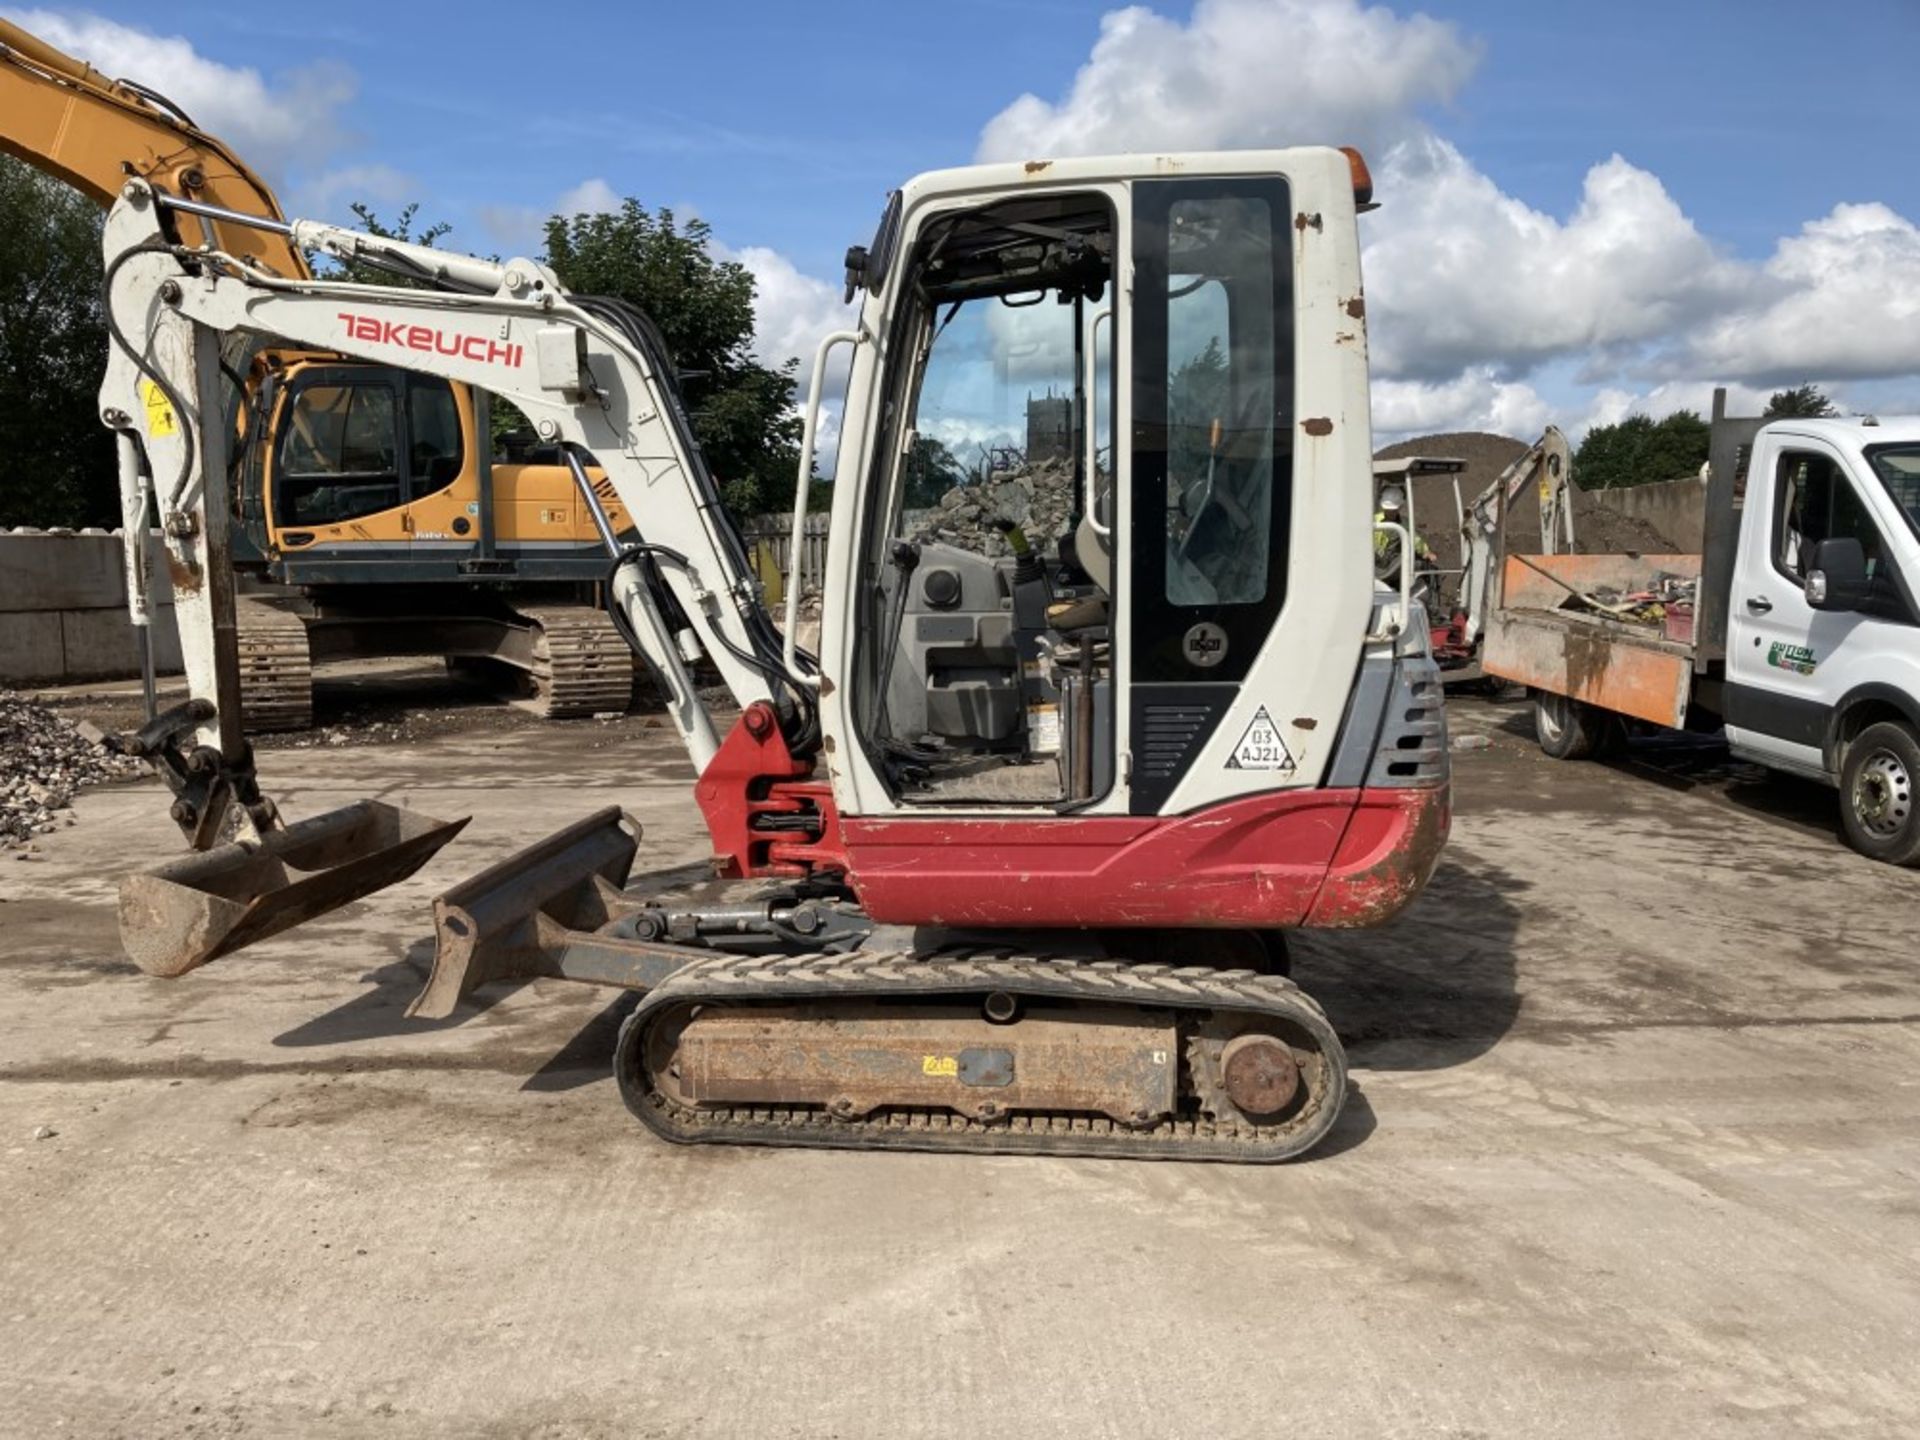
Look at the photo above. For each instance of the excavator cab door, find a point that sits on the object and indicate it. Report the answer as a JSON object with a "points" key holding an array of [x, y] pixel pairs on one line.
{"points": [[1107, 351], [441, 472], [338, 484]]}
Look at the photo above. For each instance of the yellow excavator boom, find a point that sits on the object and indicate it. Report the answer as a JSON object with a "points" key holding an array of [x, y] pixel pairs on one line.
{"points": [[66, 118]]}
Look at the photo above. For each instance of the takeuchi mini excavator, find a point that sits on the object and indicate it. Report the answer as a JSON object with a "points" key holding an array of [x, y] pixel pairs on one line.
{"points": [[368, 494], [1008, 866]]}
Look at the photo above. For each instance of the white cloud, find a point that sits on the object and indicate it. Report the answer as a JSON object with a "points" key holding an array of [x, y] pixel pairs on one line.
{"points": [[589, 197], [1473, 293], [1460, 274], [1241, 73], [329, 196], [276, 128], [1841, 299], [522, 229], [793, 312], [516, 229], [1473, 400]]}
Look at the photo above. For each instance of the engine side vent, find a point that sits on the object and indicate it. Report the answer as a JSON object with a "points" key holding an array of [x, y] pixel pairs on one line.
{"points": [[1170, 724], [1413, 741]]}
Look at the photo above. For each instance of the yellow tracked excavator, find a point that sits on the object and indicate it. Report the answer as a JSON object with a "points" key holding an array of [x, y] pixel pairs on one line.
{"points": [[368, 497], [1010, 864]]}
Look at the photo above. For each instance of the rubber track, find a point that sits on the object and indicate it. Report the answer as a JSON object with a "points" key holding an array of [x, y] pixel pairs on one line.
{"points": [[581, 666], [862, 976], [276, 668]]}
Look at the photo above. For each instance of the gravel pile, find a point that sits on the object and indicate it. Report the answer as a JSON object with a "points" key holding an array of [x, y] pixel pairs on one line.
{"points": [[1038, 498], [43, 760]]}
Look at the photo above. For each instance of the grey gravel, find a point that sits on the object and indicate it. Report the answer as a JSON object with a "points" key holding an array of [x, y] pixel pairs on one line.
{"points": [[44, 759]]}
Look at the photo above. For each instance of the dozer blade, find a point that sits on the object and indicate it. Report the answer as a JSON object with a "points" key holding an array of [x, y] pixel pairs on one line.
{"points": [[506, 922], [192, 910]]}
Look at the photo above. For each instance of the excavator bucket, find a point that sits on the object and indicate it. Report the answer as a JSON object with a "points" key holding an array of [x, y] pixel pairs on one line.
{"points": [[513, 919], [182, 914]]}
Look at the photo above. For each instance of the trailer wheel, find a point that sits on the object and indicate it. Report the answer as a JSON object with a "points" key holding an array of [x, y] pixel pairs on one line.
{"points": [[1567, 729], [1880, 793]]}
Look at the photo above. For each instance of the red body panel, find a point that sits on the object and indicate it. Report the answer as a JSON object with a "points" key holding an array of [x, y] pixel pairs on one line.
{"points": [[1288, 857], [1334, 858]]}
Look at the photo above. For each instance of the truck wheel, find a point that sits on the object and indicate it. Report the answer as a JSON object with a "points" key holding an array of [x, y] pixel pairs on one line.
{"points": [[1880, 793], [1567, 729]]}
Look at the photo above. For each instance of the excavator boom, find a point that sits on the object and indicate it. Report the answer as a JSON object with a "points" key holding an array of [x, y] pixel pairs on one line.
{"points": [[95, 133]]}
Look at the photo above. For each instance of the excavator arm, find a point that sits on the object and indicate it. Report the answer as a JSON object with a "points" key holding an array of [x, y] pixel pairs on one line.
{"points": [[67, 119], [593, 377], [1548, 466]]}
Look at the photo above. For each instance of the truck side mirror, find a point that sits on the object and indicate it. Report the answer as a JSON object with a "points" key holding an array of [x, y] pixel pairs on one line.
{"points": [[1837, 574]]}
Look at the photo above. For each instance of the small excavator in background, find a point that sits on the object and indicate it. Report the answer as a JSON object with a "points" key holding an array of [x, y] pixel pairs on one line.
{"points": [[1009, 865], [1547, 467], [368, 498]]}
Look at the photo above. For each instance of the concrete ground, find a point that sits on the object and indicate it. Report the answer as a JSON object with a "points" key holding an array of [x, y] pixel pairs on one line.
{"points": [[1634, 1152]]}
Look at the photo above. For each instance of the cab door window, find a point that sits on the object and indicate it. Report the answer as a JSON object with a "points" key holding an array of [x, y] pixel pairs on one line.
{"points": [[1815, 500], [434, 450], [1898, 467], [338, 456], [1212, 430]]}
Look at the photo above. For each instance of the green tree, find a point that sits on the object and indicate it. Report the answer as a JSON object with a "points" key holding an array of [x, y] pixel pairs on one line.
{"points": [[361, 273], [1640, 450], [1196, 398], [1802, 402], [932, 470], [59, 463], [742, 411]]}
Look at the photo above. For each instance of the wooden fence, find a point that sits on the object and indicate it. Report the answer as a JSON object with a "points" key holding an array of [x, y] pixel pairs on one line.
{"points": [[775, 534]]}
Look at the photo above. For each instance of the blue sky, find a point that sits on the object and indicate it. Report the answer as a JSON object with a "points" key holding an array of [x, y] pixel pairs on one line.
{"points": [[1526, 275]]}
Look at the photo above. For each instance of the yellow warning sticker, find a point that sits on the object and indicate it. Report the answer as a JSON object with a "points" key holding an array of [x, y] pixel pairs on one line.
{"points": [[939, 1065], [160, 416]]}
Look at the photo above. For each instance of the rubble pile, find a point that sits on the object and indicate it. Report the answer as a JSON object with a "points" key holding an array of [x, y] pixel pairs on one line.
{"points": [[1666, 602], [43, 760], [1037, 496]]}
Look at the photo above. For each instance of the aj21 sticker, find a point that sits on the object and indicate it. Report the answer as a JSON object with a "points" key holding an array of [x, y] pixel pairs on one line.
{"points": [[1261, 748]]}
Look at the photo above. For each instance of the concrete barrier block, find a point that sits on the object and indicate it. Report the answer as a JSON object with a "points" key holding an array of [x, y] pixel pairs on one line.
{"points": [[99, 645], [103, 645], [31, 648], [51, 571], [60, 572]]}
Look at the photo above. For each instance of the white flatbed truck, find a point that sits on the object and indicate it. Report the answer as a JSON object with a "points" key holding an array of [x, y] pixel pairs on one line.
{"points": [[1803, 639]]}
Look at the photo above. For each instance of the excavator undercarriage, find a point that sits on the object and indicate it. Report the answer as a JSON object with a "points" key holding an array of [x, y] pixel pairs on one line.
{"points": [[559, 661], [782, 1015]]}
